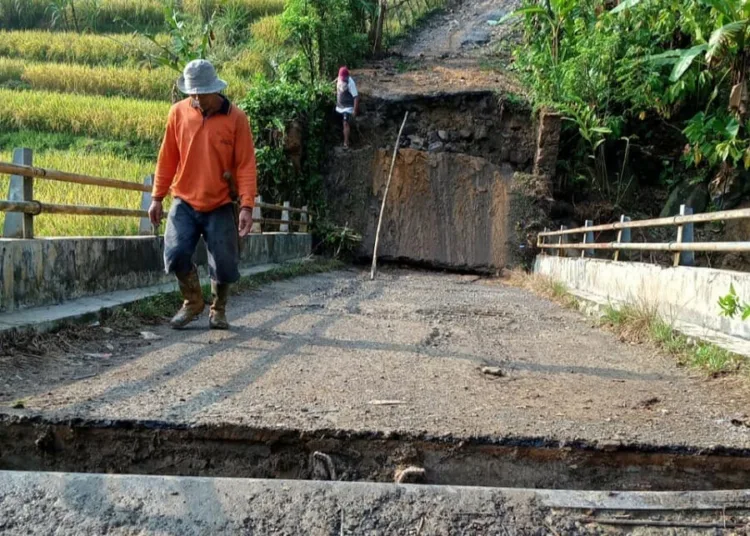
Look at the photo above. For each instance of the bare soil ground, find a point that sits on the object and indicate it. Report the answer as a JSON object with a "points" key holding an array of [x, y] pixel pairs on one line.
{"points": [[463, 29], [325, 351]]}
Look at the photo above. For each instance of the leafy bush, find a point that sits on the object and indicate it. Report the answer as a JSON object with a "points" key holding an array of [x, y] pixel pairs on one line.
{"points": [[732, 305], [275, 109], [615, 74]]}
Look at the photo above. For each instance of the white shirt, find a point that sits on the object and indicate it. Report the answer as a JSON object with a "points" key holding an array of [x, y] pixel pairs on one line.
{"points": [[355, 94]]}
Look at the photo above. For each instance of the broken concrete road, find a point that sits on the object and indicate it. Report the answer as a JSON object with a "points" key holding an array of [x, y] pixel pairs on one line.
{"points": [[402, 353]]}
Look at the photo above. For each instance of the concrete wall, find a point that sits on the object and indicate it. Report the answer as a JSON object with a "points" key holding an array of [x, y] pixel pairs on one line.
{"points": [[53, 270], [682, 294]]}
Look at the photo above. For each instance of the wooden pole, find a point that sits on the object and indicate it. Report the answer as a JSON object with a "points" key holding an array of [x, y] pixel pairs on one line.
{"points": [[21, 188], [385, 196]]}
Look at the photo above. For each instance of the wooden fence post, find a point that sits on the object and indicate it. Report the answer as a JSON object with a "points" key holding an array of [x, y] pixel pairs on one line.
{"points": [[623, 236], [588, 238], [145, 226], [684, 236], [303, 220], [562, 252], [19, 225], [284, 227], [540, 241], [257, 216]]}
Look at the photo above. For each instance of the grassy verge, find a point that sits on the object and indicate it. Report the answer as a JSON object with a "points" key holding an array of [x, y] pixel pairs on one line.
{"points": [[161, 307], [640, 323]]}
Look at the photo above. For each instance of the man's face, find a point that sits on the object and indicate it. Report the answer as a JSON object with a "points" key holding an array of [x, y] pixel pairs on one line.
{"points": [[204, 102]]}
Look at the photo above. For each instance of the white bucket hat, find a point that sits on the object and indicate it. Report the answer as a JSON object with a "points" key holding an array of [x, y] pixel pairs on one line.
{"points": [[199, 78]]}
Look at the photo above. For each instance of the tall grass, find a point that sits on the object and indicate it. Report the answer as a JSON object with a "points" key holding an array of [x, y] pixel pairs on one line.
{"points": [[98, 164], [255, 8], [108, 117], [153, 84], [64, 47], [90, 15]]}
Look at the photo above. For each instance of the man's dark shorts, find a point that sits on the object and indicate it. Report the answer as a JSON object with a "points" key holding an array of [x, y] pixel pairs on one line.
{"points": [[348, 118], [186, 225]]}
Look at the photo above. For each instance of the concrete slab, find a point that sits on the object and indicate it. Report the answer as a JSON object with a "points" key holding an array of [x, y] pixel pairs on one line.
{"points": [[71, 503], [42, 319]]}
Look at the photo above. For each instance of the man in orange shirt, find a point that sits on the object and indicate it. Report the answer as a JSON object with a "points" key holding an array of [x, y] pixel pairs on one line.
{"points": [[208, 140]]}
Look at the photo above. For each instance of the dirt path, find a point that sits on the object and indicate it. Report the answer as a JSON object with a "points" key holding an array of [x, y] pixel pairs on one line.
{"points": [[465, 28], [320, 352]]}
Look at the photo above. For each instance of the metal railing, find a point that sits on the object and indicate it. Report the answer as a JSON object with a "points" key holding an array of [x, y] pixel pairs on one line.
{"points": [[684, 247], [22, 207]]}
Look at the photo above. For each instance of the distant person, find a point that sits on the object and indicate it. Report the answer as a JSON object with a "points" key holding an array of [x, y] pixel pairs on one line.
{"points": [[207, 158], [347, 101]]}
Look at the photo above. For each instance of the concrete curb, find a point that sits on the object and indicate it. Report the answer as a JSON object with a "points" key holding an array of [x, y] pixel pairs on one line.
{"points": [[88, 309], [66, 503]]}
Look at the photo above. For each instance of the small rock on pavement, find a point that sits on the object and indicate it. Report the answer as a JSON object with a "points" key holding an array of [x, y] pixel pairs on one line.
{"points": [[443, 135], [150, 336], [493, 371], [435, 147], [410, 475]]}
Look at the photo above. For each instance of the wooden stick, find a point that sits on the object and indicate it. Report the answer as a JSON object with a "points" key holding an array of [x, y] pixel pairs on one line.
{"points": [[385, 196]]}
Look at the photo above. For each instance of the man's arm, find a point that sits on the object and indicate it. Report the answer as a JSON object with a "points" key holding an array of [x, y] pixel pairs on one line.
{"points": [[169, 160], [166, 167], [244, 159], [355, 94]]}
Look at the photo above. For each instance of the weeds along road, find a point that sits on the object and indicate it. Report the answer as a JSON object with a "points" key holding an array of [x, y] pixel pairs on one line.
{"points": [[318, 352]]}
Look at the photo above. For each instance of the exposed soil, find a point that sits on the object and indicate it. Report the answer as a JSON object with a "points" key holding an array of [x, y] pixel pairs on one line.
{"points": [[324, 352], [467, 29]]}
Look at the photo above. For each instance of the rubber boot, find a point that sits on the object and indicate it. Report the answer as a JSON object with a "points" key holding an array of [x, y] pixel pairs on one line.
{"points": [[192, 307], [217, 318]]}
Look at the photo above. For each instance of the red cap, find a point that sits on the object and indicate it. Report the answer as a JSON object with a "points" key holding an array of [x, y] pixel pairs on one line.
{"points": [[343, 73]]}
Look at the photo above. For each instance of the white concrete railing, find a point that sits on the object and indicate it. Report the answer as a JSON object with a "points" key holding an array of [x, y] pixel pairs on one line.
{"points": [[683, 246]]}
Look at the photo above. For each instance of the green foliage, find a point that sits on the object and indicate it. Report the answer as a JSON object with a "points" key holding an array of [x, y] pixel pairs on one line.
{"points": [[325, 32], [614, 73], [731, 305], [288, 117]]}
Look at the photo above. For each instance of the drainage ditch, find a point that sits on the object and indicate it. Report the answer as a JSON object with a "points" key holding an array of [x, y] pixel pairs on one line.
{"points": [[160, 448]]}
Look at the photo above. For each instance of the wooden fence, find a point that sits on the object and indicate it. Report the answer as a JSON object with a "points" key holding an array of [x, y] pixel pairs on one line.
{"points": [[21, 206], [684, 247]]}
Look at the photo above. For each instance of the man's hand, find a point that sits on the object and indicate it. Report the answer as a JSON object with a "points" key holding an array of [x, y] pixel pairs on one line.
{"points": [[246, 221], [156, 212]]}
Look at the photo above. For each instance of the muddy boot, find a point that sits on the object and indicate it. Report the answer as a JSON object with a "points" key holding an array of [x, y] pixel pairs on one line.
{"points": [[217, 318], [190, 287]]}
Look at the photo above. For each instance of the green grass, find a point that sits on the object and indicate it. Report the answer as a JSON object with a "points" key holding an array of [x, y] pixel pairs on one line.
{"points": [[162, 306], [101, 164], [639, 323]]}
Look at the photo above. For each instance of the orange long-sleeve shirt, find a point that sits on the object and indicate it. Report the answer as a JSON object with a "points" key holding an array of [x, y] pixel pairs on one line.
{"points": [[198, 150]]}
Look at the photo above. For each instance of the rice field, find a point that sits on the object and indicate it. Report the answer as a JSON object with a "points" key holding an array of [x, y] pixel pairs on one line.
{"points": [[105, 16], [97, 164], [82, 92], [105, 80], [105, 117]]}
